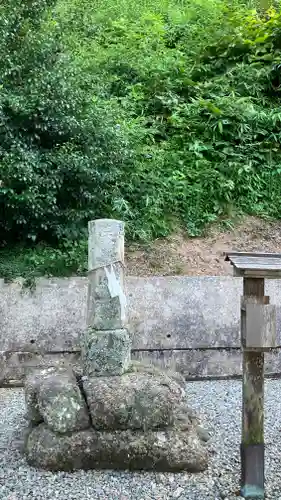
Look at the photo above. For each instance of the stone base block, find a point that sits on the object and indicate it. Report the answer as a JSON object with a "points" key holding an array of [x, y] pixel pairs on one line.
{"points": [[133, 401], [171, 450], [32, 386], [152, 369], [55, 398], [106, 353]]}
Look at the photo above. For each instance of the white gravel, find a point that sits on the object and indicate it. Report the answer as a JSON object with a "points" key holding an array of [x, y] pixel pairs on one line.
{"points": [[220, 405]]}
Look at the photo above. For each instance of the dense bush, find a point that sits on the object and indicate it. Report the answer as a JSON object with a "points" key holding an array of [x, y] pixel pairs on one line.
{"points": [[199, 89], [60, 154]]}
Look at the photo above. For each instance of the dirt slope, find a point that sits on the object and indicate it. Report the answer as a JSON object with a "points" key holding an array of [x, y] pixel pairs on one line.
{"points": [[203, 256]]}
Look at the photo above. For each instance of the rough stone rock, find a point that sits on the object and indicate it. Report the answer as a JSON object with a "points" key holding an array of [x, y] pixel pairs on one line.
{"points": [[203, 433], [62, 404], [105, 263], [106, 352], [32, 385], [183, 411], [104, 311], [133, 401], [170, 450], [142, 367], [186, 417]]}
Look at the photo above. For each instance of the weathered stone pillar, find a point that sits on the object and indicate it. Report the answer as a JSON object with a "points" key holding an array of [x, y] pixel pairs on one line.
{"points": [[107, 344]]}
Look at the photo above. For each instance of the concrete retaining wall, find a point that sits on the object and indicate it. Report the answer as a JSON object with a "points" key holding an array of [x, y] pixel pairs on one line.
{"points": [[184, 322]]}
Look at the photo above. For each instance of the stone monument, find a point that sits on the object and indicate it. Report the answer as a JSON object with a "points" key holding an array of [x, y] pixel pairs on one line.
{"points": [[119, 414]]}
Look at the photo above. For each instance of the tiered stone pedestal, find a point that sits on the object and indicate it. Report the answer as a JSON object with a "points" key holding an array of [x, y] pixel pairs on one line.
{"points": [[137, 421]]}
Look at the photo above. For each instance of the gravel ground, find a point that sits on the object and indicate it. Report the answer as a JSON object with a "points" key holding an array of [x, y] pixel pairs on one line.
{"points": [[218, 402]]}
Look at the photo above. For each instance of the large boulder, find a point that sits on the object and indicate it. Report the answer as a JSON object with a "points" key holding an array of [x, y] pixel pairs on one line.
{"points": [[173, 449], [53, 396], [133, 401]]}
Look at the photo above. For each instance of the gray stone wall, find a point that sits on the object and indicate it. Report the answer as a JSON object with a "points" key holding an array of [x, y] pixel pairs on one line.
{"points": [[183, 322]]}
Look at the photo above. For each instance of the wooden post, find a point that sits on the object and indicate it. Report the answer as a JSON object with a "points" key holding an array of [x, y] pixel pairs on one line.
{"points": [[252, 445], [258, 334]]}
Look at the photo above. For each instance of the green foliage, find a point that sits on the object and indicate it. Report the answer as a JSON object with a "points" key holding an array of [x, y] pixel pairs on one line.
{"points": [[60, 154], [162, 113], [43, 260], [198, 82]]}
